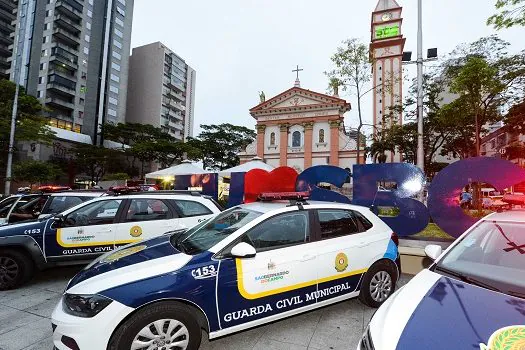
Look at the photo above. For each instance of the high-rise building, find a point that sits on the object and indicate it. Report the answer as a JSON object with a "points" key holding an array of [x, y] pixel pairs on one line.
{"points": [[75, 60], [7, 16], [161, 90]]}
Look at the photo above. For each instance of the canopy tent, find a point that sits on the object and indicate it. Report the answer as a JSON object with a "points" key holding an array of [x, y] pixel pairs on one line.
{"points": [[185, 168], [255, 163]]}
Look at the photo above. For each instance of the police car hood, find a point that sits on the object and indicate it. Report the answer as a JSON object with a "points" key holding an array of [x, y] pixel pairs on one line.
{"points": [[23, 228], [435, 312], [127, 264]]}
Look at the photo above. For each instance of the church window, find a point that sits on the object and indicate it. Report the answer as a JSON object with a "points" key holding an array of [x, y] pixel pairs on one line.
{"points": [[296, 139], [321, 136], [272, 139]]}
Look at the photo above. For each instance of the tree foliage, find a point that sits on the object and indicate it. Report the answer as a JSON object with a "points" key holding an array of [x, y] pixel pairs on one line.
{"points": [[510, 13], [218, 145], [33, 171], [515, 119], [94, 161], [353, 72]]}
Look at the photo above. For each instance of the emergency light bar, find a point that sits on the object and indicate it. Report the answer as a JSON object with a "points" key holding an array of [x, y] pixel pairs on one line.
{"points": [[284, 196]]}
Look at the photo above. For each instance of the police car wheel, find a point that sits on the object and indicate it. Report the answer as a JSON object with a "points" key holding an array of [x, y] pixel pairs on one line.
{"points": [[16, 268], [378, 284], [162, 326]]}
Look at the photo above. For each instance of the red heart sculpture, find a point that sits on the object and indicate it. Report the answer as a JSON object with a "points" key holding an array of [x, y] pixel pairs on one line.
{"points": [[259, 181]]}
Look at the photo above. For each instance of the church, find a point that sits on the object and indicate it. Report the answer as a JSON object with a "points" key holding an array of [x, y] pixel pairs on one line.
{"points": [[300, 128]]}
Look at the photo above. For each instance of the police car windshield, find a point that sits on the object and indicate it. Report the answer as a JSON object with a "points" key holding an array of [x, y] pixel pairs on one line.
{"points": [[208, 233], [492, 255]]}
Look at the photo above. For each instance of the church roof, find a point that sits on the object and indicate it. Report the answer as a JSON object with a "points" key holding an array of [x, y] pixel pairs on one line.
{"points": [[292, 100], [385, 5]]}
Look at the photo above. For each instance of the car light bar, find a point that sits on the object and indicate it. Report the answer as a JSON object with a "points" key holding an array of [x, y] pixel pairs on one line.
{"points": [[284, 196]]}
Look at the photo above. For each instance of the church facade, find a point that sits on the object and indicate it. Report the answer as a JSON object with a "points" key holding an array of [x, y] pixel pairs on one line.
{"points": [[300, 128]]}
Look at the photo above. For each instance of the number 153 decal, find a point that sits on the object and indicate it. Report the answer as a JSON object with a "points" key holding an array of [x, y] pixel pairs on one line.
{"points": [[204, 272]]}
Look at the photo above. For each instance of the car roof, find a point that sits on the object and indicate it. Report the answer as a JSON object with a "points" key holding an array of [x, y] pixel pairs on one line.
{"points": [[265, 207], [511, 215], [84, 193], [154, 195]]}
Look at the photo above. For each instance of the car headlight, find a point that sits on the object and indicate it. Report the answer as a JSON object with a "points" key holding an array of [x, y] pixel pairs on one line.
{"points": [[366, 342], [84, 305]]}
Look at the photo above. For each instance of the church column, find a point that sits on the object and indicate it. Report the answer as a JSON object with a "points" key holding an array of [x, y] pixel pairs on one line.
{"points": [[334, 142], [308, 142], [261, 129], [283, 144]]}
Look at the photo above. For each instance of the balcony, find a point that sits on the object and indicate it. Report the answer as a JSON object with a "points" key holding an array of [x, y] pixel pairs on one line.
{"points": [[68, 24], [59, 71], [7, 28], [4, 51], [6, 39], [6, 15], [60, 103], [173, 94], [176, 125], [64, 59], [4, 63], [66, 36], [69, 49], [64, 7], [61, 89]]}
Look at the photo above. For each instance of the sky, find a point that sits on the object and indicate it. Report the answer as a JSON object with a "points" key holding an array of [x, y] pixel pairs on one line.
{"points": [[241, 47]]}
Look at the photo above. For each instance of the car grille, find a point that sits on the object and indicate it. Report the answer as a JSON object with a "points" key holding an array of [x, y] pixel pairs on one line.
{"points": [[366, 342]]}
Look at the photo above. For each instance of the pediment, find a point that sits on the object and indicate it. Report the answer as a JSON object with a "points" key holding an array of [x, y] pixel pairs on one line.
{"points": [[298, 98]]}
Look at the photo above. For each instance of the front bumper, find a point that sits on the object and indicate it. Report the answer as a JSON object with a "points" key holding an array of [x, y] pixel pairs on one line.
{"points": [[88, 333]]}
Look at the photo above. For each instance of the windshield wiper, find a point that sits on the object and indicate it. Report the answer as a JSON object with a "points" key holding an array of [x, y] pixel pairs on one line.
{"points": [[467, 279], [176, 239]]}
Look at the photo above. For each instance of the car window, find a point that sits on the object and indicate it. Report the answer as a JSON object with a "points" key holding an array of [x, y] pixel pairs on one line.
{"points": [[337, 223], [34, 204], [366, 224], [191, 208], [6, 205], [146, 210], [97, 213], [58, 204], [280, 231]]}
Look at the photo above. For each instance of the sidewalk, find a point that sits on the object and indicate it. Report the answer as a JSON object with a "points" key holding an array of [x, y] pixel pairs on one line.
{"points": [[25, 324]]}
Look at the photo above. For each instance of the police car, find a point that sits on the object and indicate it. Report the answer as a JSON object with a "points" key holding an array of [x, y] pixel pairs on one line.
{"points": [[80, 234], [472, 297], [252, 264], [59, 202]]}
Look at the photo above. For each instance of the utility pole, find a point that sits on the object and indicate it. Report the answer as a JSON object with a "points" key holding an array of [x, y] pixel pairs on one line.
{"points": [[420, 145], [19, 50]]}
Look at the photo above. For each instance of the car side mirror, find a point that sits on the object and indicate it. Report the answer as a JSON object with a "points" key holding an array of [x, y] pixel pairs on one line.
{"points": [[59, 219], [433, 251], [243, 250]]}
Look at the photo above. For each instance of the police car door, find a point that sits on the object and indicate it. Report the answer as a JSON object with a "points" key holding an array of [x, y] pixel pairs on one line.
{"points": [[191, 212], [280, 278], [85, 231], [145, 218], [345, 251]]}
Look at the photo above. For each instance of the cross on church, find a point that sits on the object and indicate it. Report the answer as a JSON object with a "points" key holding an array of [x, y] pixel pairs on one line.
{"points": [[297, 70]]}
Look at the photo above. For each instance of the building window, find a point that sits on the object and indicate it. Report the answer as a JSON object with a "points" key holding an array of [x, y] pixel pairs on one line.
{"points": [[121, 11], [40, 94], [115, 66], [119, 22], [117, 55], [90, 14], [43, 66], [296, 139], [113, 89], [123, 2], [272, 139], [321, 136], [47, 26], [86, 50], [41, 80], [84, 75], [45, 40], [117, 43], [113, 101], [115, 78], [48, 13], [112, 112], [88, 25], [87, 38], [119, 33], [81, 101], [80, 114]]}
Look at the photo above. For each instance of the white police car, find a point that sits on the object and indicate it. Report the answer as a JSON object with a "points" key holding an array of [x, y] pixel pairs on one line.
{"points": [[472, 297], [249, 265]]}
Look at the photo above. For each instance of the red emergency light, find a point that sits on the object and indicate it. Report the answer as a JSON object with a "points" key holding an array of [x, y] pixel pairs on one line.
{"points": [[284, 196]]}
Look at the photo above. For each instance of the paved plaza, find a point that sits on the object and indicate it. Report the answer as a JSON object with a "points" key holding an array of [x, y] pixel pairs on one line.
{"points": [[25, 323]]}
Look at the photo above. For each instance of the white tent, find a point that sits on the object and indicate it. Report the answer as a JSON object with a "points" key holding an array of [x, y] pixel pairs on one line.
{"points": [[185, 168], [255, 163]]}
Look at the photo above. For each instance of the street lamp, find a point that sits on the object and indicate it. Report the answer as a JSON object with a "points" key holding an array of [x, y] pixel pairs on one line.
{"points": [[407, 59]]}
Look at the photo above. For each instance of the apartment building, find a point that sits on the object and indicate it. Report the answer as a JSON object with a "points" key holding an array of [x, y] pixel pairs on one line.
{"points": [[75, 60], [161, 90], [7, 16]]}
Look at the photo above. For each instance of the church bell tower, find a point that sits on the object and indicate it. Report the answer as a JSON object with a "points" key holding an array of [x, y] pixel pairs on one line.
{"points": [[386, 53]]}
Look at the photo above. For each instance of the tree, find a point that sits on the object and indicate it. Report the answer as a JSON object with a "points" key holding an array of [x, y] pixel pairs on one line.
{"points": [[218, 145], [33, 171], [352, 70], [515, 119], [485, 83], [94, 160], [510, 13], [30, 126]]}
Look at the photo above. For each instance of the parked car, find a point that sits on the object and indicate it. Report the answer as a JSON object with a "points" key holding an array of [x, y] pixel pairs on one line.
{"points": [[252, 264], [80, 234], [59, 202], [18, 208], [471, 297]]}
